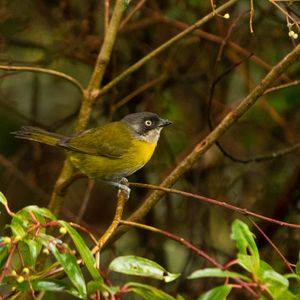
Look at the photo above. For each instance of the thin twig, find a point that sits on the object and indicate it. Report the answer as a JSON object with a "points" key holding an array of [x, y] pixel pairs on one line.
{"points": [[122, 197], [132, 12], [288, 264], [237, 209], [176, 238], [163, 47], [45, 71], [85, 200]]}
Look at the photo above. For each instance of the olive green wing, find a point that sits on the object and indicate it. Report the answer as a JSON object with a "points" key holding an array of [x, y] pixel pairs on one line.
{"points": [[110, 140]]}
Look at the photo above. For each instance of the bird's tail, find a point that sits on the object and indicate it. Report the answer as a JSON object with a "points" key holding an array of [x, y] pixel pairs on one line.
{"points": [[38, 135]]}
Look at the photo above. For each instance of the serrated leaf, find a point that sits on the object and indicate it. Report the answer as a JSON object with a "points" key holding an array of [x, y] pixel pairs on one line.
{"points": [[71, 268], [139, 266], [148, 292], [215, 272], [246, 245], [85, 254], [3, 199], [217, 293]]}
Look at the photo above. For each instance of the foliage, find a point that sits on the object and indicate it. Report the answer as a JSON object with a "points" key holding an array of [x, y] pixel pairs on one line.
{"points": [[28, 240]]}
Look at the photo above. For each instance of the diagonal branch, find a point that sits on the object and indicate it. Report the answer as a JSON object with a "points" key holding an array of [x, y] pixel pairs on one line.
{"points": [[229, 120]]}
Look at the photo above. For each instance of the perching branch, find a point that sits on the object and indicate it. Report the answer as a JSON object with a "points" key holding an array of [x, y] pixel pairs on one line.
{"points": [[89, 98], [229, 120]]}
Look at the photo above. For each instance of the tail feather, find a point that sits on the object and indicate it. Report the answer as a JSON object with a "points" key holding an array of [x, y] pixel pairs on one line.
{"points": [[38, 135]]}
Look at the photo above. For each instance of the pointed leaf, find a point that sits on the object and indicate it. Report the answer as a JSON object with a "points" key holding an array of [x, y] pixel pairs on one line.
{"points": [[35, 247], [70, 266], [215, 272], [40, 211], [246, 245], [275, 282], [85, 254], [217, 293], [139, 266]]}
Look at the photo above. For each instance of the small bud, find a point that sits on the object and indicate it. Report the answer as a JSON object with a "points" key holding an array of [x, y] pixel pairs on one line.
{"points": [[25, 271], [226, 16], [295, 36], [62, 230], [13, 288], [7, 240], [46, 251], [291, 33], [20, 279], [13, 273]]}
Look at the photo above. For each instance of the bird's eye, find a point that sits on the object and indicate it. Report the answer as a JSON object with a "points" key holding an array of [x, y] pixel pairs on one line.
{"points": [[148, 123]]}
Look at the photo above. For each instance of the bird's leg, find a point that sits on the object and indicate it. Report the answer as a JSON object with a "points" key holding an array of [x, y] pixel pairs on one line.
{"points": [[121, 185]]}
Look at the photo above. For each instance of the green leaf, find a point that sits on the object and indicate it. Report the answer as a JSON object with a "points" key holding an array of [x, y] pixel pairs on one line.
{"points": [[70, 266], [50, 286], [35, 247], [248, 262], [215, 272], [40, 211], [287, 295], [139, 266], [85, 254], [3, 255], [217, 293], [246, 245], [18, 226], [3, 199], [298, 266], [275, 282], [148, 292]]}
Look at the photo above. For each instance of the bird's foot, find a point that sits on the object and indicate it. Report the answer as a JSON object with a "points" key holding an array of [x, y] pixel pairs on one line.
{"points": [[122, 185]]}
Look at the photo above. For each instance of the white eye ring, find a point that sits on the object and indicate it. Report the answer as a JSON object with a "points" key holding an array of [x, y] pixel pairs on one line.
{"points": [[148, 123]]}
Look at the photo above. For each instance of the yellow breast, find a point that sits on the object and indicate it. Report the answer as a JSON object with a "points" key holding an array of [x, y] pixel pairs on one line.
{"points": [[142, 152]]}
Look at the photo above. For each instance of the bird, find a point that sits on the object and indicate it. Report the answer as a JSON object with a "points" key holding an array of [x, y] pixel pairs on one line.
{"points": [[109, 152]]}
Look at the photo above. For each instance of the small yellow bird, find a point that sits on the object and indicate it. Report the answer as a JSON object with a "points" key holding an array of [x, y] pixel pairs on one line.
{"points": [[108, 152]]}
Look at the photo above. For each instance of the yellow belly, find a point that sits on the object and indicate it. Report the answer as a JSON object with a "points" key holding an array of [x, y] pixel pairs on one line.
{"points": [[106, 168]]}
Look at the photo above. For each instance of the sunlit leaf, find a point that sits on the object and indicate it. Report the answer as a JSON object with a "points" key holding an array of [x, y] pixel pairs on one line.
{"points": [[215, 272], [248, 252], [85, 254], [70, 266], [217, 293], [276, 283], [18, 226], [139, 266], [148, 292], [35, 246], [40, 211]]}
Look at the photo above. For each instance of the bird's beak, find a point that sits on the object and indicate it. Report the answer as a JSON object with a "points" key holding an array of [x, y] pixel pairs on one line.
{"points": [[164, 123]]}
